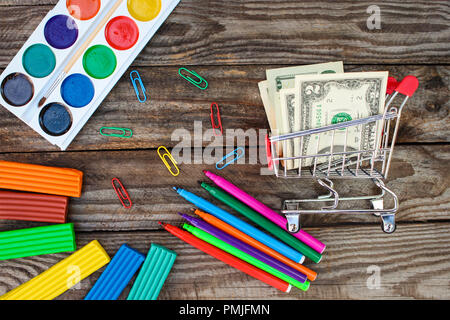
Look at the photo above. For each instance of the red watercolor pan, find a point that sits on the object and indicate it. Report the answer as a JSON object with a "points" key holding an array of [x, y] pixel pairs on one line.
{"points": [[121, 33]]}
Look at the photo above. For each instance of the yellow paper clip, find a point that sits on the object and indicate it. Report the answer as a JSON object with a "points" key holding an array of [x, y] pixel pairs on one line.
{"points": [[62, 276], [168, 166]]}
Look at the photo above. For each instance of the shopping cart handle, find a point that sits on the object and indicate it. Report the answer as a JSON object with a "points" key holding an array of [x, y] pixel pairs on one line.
{"points": [[408, 86], [391, 85], [268, 153]]}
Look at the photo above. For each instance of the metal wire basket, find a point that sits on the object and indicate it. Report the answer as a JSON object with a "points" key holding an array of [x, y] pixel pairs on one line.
{"points": [[370, 162]]}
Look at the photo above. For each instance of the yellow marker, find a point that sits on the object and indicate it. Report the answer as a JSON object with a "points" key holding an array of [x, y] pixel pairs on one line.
{"points": [[168, 155], [144, 10], [62, 276]]}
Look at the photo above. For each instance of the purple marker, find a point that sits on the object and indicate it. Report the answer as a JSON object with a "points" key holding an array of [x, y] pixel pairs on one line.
{"points": [[245, 248]]}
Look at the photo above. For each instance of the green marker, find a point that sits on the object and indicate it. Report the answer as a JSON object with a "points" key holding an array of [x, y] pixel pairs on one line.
{"points": [[244, 256], [36, 241], [263, 222]]}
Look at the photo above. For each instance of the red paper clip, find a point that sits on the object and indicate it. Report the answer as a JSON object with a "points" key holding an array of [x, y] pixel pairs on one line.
{"points": [[121, 193], [219, 120]]}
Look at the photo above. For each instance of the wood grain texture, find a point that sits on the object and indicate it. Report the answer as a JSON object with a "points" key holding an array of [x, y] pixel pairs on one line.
{"points": [[231, 44], [414, 263], [219, 32], [175, 104], [419, 176]]}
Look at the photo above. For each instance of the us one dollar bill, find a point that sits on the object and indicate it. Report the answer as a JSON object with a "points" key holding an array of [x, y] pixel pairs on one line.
{"points": [[333, 98], [284, 78], [289, 122], [268, 105]]}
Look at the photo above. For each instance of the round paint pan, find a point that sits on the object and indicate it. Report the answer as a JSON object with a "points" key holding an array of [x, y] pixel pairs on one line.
{"points": [[77, 90], [17, 89], [99, 61], [144, 10], [61, 31], [38, 60], [83, 9], [122, 33], [55, 119]]}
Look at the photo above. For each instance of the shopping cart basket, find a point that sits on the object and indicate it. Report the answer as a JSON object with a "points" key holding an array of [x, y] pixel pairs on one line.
{"points": [[366, 163]]}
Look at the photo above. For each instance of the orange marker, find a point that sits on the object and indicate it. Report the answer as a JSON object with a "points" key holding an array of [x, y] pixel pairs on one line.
{"points": [[312, 275]]}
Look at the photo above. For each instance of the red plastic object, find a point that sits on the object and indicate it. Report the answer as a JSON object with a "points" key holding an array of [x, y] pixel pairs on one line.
{"points": [[268, 153], [391, 85], [228, 258], [121, 193], [122, 33], [33, 207], [408, 86], [219, 120]]}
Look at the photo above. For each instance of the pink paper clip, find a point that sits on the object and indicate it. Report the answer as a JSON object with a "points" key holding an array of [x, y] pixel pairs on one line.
{"points": [[219, 120], [121, 193]]}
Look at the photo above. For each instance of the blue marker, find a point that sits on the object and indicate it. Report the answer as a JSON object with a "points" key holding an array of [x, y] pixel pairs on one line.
{"points": [[116, 275], [241, 225]]}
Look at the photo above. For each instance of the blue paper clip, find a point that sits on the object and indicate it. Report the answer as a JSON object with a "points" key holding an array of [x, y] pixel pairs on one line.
{"points": [[136, 89], [236, 156]]}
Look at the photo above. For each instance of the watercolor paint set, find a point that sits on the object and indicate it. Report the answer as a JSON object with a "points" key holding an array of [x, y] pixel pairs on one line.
{"points": [[74, 58]]}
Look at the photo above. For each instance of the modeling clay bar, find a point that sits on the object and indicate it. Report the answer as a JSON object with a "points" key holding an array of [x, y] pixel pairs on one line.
{"points": [[33, 207], [116, 275], [62, 276], [41, 179], [154, 272], [37, 241]]}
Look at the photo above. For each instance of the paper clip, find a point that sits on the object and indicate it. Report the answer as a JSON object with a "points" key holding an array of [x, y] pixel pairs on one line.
{"points": [[121, 193], [168, 155], [234, 154], [196, 83], [126, 133], [219, 120], [135, 79]]}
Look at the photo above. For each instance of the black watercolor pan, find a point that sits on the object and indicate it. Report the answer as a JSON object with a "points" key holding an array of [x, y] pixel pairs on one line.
{"points": [[17, 89], [55, 119]]}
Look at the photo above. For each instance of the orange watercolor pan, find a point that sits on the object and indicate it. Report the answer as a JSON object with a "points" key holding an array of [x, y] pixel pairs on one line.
{"points": [[41, 179]]}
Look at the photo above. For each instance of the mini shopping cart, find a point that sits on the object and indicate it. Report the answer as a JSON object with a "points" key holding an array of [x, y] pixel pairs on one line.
{"points": [[366, 163]]}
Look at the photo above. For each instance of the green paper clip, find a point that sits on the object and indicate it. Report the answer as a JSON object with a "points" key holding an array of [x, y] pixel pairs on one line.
{"points": [[196, 83], [124, 133], [153, 273]]}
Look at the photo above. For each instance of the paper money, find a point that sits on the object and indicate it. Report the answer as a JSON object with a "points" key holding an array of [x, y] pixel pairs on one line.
{"points": [[268, 107], [284, 78], [290, 122], [332, 98]]}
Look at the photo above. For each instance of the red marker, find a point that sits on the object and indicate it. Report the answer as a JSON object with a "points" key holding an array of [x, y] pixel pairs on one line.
{"points": [[228, 258]]}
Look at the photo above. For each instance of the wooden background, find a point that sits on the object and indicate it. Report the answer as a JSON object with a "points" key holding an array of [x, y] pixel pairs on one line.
{"points": [[231, 44]]}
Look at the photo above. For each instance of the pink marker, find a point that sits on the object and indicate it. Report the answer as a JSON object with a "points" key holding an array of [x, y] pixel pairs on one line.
{"points": [[264, 210]]}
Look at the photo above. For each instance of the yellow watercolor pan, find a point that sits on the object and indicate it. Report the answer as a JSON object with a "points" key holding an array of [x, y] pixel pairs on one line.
{"points": [[62, 276]]}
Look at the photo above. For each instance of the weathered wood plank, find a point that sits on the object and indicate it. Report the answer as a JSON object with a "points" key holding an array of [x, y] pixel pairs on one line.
{"points": [[264, 32], [176, 104], [419, 176], [413, 263]]}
